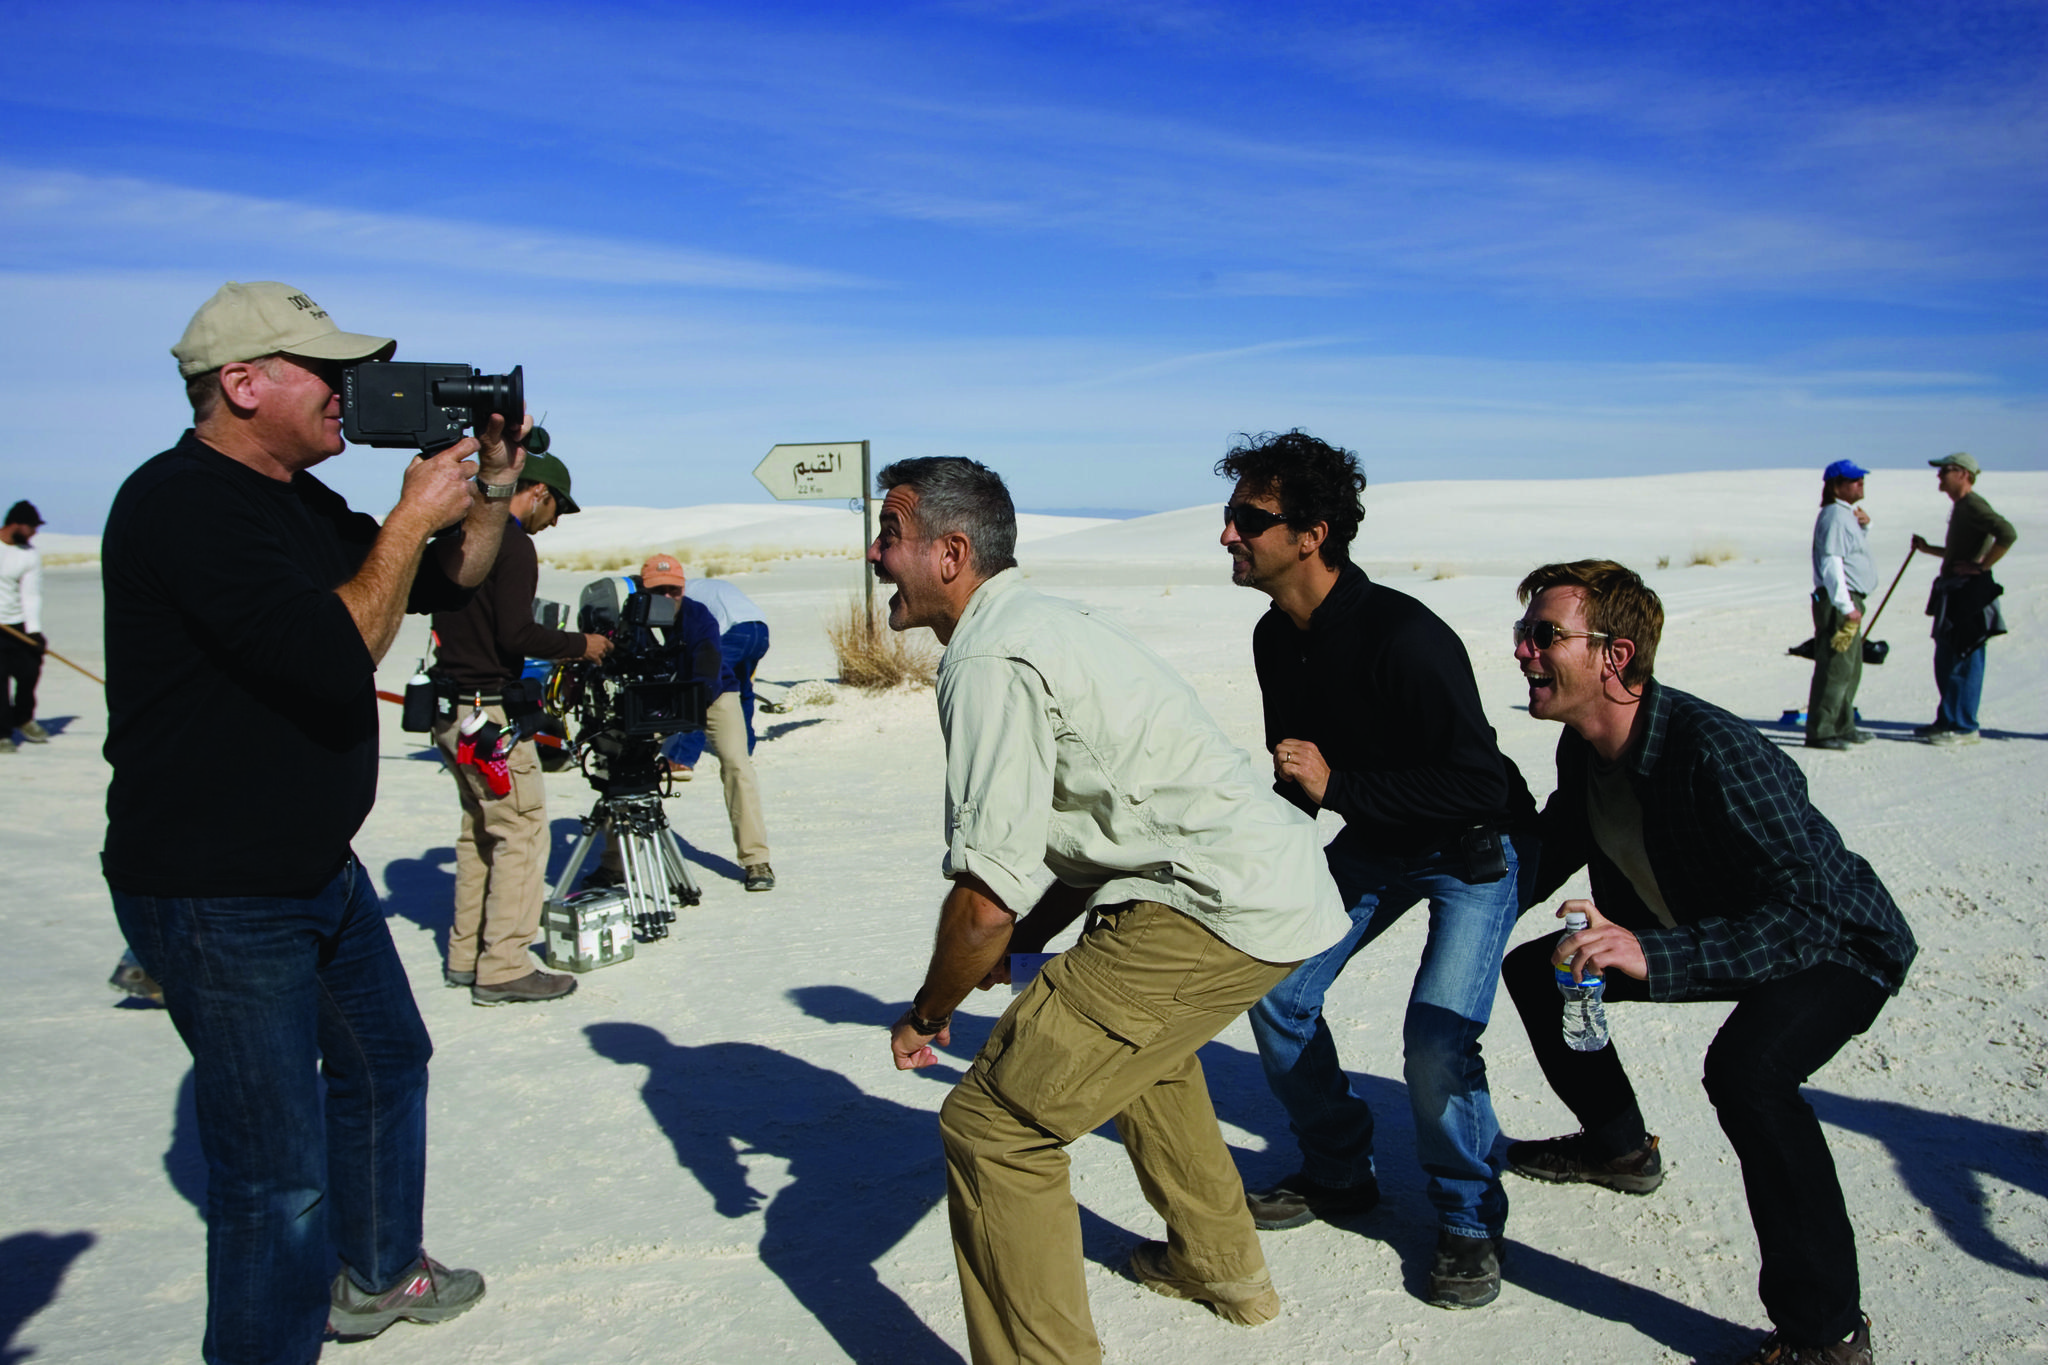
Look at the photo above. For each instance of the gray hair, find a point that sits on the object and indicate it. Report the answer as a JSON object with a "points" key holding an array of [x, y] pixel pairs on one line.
{"points": [[958, 495]]}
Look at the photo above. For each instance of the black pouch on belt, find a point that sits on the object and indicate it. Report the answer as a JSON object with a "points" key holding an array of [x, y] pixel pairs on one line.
{"points": [[1480, 858]]}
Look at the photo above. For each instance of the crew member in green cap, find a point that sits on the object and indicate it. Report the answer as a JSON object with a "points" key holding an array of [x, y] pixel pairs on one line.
{"points": [[501, 853], [1964, 603]]}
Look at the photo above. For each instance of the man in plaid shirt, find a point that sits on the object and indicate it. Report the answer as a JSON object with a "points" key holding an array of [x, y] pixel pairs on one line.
{"points": [[1714, 878]]}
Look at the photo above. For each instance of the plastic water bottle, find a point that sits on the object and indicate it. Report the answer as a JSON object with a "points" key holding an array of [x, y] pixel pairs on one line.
{"points": [[1585, 1018]]}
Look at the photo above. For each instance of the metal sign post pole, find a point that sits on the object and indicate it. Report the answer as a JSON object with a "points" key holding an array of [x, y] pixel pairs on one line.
{"points": [[867, 534]]}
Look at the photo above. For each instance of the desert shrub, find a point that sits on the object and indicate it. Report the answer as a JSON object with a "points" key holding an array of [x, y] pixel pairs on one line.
{"points": [[1720, 552], [873, 657]]}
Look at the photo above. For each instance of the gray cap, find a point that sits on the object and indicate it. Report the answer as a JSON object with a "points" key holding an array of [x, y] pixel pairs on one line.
{"points": [[1960, 461]]}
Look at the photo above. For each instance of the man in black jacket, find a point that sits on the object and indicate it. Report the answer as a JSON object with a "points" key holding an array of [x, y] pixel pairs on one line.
{"points": [[1372, 712], [501, 852]]}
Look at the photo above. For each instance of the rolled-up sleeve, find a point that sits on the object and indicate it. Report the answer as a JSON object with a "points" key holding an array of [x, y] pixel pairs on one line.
{"points": [[1000, 756]]}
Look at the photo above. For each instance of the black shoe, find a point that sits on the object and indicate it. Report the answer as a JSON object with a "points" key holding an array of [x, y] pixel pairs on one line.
{"points": [[1928, 731], [1466, 1273], [523, 990], [1836, 744], [1573, 1161], [1853, 1349], [1298, 1201]]}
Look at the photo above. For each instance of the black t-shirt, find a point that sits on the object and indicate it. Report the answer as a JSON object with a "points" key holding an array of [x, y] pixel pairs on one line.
{"points": [[241, 699], [1385, 690]]}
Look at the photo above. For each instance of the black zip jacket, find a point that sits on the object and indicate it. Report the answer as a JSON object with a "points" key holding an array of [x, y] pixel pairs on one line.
{"points": [[1384, 689]]}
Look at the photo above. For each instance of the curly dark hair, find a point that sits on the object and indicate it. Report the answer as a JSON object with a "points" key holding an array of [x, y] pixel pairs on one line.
{"points": [[1313, 480]]}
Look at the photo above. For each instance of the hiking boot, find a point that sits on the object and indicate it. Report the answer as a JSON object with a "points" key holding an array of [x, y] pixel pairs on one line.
{"points": [[1775, 1350], [7, 744], [760, 877], [1861, 736], [34, 733], [521, 990], [428, 1292], [451, 977], [1297, 1201], [1572, 1160], [1248, 1303], [1466, 1273], [1949, 739]]}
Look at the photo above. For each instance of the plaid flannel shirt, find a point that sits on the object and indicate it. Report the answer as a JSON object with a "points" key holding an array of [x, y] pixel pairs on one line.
{"points": [[1758, 880]]}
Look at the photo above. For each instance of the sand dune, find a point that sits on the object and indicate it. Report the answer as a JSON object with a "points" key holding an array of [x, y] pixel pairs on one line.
{"points": [[705, 1156]]}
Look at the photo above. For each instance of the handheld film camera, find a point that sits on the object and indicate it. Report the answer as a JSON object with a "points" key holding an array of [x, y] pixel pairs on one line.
{"points": [[418, 406]]}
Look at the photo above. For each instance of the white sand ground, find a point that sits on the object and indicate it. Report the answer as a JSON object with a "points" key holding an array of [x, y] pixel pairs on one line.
{"points": [[705, 1156]]}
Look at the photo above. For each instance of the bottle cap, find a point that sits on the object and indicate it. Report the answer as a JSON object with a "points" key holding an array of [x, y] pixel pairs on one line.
{"points": [[1575, 921]]}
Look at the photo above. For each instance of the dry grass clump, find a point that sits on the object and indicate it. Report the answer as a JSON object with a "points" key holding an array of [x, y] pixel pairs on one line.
{"points": [[873, 657], [1720, 552], [698, 561], [1444, 571], [64, 557]]}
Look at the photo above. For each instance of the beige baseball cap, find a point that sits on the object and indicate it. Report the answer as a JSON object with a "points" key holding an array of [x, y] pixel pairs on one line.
{"points": [[244, 321]]}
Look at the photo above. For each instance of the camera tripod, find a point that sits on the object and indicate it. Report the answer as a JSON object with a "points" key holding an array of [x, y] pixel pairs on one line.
{"points": [[650, 858]]}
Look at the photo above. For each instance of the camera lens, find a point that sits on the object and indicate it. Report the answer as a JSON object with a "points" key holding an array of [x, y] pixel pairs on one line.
{"points": [[484, 394]]}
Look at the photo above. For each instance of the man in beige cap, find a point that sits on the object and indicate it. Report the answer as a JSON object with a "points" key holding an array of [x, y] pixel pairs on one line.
{"points": [[725, 725], [1964, 602], [246, 609], [501, 851]]}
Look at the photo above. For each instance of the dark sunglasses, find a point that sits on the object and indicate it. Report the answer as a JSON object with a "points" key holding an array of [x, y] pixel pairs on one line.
{"points": [[1544, 634], [1250, 521]]}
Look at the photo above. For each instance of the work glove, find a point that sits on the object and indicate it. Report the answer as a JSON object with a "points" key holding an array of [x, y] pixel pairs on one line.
{"points": [[1844, 638]]}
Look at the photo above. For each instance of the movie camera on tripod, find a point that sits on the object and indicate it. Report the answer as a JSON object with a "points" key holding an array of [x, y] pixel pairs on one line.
{"points": [[645, 689]]}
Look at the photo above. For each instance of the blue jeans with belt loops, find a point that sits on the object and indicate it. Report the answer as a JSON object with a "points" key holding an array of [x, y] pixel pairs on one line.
{"points": [[1457, 1138], [260, 988]]}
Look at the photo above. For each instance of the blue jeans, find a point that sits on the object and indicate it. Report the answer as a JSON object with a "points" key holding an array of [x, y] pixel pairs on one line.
{"points": [[261, 987], [1960, 676], [742, 648], [1456, 1134]]}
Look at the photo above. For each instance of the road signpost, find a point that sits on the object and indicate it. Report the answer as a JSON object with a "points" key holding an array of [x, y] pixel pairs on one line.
{"points": [[826, 471]]}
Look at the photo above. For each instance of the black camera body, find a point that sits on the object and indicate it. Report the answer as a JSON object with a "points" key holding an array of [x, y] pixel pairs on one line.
{"points": [[645, 689], [411, 405]]}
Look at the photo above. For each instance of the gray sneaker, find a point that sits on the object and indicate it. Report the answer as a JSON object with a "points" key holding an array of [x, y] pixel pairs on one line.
{"points": [[427, 1292], [1466, 1273], [35, 734], [1949, 739], [453, 978], [521, 990]]}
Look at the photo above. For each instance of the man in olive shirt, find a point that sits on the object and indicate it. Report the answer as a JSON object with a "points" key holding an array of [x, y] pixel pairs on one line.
{"points": [[501, 854], [1964, 603]]}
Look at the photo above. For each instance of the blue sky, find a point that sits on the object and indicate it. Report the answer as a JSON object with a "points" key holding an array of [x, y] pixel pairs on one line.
{"points": [[1086, 243]]}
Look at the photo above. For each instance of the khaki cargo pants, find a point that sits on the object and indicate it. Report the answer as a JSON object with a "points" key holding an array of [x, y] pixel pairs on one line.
{"points": [[1108, 1030], [501, 860]]}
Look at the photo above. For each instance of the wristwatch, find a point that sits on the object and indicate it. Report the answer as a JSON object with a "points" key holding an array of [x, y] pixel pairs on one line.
{"points": [[496, 492], [928, 1028]]}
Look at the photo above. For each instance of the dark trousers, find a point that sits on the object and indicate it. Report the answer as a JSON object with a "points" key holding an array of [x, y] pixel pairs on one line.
{"points": [[23, 665], [1779, 1033]]}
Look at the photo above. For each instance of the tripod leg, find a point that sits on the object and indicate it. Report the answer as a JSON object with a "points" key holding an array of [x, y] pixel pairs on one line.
{"points": [[678, 871], [567, 882]]}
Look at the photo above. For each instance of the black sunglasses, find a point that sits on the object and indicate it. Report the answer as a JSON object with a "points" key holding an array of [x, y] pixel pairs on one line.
{"points": [[1544, 634], [1251, 522]]}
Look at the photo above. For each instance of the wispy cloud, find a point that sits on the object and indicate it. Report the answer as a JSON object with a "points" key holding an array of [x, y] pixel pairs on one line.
{"points": [[63, 216]]}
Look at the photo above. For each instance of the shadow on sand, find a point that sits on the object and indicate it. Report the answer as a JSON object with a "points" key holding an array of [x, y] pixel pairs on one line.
{"points": [[863, 1171], [1941, 1157], [32, 1269]]}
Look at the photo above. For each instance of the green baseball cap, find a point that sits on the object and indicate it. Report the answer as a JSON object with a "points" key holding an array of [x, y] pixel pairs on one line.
{"points": [[244, 321], [1960, 461], [552, 472]]}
